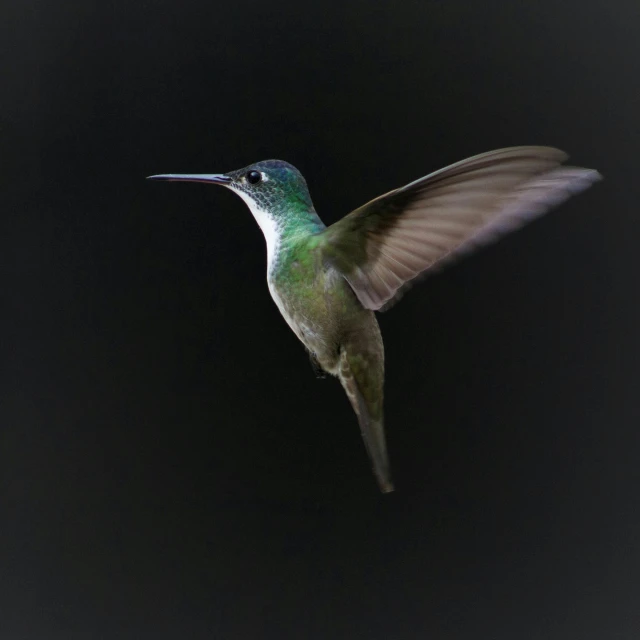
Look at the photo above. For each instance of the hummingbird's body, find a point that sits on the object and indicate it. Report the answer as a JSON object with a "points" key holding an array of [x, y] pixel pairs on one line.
{"points": [[328, 281], [342, 336], [315, 300]]}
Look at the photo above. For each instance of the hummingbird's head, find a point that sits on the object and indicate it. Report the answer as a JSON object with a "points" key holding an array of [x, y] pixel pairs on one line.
{"points": [[272, 186]]}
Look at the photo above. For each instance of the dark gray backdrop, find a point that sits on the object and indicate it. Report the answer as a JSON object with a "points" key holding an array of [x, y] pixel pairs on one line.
{"points": [[170, 468]]}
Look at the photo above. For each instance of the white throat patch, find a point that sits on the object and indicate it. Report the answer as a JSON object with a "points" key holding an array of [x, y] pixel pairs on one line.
{"points": [[267, 223]]}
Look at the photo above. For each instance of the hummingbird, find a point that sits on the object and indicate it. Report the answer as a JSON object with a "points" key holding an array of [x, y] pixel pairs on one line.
{"points": [[327, 282]]}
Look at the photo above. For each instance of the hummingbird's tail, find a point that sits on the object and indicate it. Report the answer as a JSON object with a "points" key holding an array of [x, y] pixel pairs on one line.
{"points": [[362, 375]]}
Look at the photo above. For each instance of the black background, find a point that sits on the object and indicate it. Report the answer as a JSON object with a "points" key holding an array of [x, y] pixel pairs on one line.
{"points": [[170, 468]]}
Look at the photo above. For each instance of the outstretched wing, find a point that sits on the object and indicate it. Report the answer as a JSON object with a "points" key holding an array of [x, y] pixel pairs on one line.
{"points": [[381, 246]]}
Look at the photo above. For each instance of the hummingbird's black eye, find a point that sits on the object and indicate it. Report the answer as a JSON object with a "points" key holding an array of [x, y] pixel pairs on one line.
{"points": [[253, 177]]}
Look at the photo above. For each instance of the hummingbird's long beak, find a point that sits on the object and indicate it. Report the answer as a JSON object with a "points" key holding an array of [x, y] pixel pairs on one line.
{"points": [[211, 178]]}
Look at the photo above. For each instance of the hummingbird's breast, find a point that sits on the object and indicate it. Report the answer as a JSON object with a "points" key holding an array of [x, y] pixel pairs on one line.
{"points": [[315, 300], [304, 307]]}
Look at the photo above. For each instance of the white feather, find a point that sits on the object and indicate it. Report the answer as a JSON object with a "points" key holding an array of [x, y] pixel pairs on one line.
{"points": [[268, 224]]}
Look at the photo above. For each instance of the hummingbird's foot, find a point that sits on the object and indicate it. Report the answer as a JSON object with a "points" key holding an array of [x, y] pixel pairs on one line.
{"points": [[318, 371]]}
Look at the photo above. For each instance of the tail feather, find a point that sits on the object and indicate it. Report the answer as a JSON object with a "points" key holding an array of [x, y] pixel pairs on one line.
{"points": [[366, 401]]}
